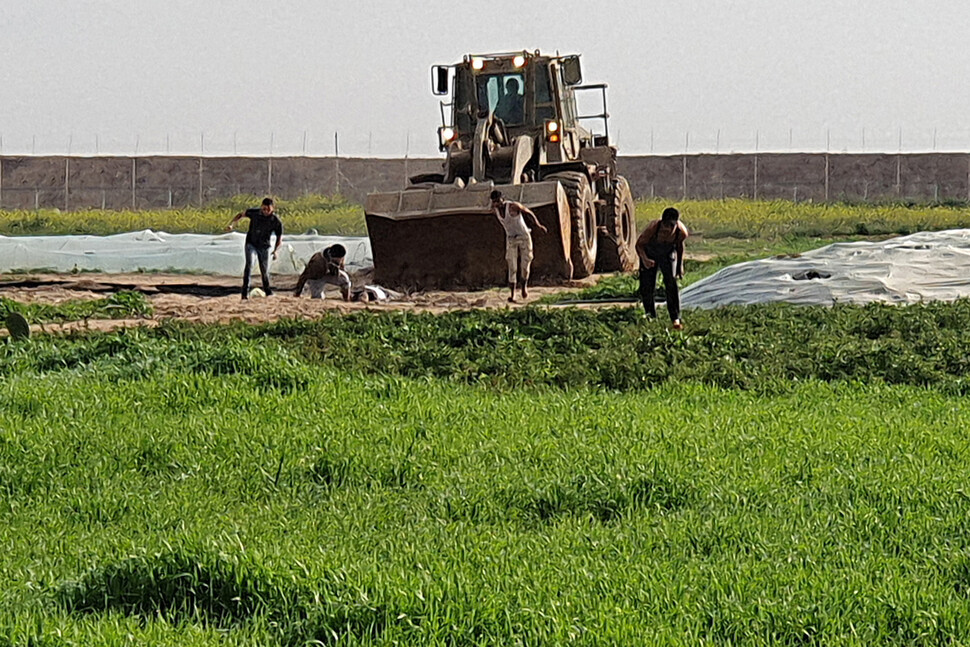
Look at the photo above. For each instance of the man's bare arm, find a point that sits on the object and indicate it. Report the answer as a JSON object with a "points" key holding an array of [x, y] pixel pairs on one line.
{"points": [[232, 223], [642, 241], [279, 241], [527, 211]]}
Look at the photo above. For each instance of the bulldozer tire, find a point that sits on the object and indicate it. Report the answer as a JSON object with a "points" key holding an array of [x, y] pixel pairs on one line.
{"points": [[618, 237], [582, 217]]}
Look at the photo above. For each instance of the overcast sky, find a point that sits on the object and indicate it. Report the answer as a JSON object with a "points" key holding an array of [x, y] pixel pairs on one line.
{"points": [[120, 76]]}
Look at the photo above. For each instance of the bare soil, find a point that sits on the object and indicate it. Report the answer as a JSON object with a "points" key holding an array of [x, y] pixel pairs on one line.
{"points": [[216, 299]]}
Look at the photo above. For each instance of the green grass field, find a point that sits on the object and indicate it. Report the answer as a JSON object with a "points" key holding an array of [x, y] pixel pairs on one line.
{"points": [[776, 475]]}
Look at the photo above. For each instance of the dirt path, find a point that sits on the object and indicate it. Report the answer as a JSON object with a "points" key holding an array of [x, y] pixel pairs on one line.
{"points": [[215, 299]]}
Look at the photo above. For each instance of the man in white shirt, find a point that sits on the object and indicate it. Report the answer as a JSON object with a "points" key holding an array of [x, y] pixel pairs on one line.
{"points": [[518, 239]]}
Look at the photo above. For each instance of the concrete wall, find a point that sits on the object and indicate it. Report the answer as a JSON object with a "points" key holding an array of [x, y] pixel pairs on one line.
{"points": [[140, 182]]}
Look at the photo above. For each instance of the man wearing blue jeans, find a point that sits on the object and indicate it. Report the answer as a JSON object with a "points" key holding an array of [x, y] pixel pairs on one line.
{"points": [[263, 224]]}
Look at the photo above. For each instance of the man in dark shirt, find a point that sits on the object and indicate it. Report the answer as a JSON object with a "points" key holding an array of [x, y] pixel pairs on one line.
{"points": [[263, 223]]}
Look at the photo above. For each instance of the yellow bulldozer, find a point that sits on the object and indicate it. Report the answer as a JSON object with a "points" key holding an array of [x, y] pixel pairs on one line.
{"points": [[509, 122]]}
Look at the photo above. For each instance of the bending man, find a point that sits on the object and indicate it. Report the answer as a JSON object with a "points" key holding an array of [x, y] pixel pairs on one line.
{"points": [[661, 246], [325, 268]]}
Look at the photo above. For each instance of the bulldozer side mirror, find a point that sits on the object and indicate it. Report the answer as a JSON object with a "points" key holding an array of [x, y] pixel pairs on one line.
{"points": [[572, 73], [439, 79]]}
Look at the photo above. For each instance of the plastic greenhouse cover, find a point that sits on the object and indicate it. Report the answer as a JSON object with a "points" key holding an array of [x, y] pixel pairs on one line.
{"points": [[926, 266], [158, 251]]}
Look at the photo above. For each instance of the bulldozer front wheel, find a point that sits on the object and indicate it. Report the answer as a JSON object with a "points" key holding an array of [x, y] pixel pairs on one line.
{"points": [[616, 242], [582, 216]]}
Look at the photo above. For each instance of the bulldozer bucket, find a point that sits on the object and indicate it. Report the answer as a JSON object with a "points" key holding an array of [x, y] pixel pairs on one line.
{"points": [[446, 236]]}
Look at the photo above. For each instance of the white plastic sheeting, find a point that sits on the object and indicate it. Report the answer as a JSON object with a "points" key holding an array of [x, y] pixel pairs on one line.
{"points": [[927, 266], [158, 251]]}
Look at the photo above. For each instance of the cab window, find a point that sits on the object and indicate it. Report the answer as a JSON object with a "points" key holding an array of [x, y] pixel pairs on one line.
{"points": [[503, 95], [545, 105]]}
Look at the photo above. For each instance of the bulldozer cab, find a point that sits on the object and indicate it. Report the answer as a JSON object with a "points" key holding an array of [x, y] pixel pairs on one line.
{"points": [[523, 91]]}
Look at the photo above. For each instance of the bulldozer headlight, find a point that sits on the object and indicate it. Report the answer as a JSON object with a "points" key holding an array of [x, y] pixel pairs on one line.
{"points": [[446, 135], [552, 131], [518, 61], [478, 63]]}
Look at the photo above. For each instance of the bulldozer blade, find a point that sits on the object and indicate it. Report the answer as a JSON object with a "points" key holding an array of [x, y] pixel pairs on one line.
{"points": [[448, 237]]}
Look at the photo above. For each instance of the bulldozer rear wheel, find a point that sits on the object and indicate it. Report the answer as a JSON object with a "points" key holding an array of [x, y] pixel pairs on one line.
{"points": [[582, 216], [616, 243]]}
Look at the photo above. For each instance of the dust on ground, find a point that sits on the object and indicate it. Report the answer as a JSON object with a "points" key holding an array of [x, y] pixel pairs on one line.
{"points": [[216, 299]]}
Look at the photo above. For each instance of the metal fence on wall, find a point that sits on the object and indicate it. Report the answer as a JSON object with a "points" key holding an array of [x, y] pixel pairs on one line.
{"points": [[823, 177], [169, 182]]}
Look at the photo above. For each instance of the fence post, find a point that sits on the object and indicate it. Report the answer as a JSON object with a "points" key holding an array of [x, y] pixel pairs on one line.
{"points": [[67, 183], [269, 176], [407, 154], [134, 170], [684, 180], [755, 177], [826, 177], [336, 163], [200, 181], [898, 175], [1, 183]]}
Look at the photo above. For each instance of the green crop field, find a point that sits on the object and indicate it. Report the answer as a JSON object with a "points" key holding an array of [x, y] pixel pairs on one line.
{"points": [[775, 475], [326, 214], [715, 220]]}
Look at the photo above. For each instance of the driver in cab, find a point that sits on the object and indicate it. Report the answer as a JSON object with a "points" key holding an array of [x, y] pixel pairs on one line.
{"points": [[510, 107]]}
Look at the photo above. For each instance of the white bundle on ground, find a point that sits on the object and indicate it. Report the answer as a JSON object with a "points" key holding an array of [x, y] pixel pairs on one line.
{"points": [[157, 251], [928, 266]]}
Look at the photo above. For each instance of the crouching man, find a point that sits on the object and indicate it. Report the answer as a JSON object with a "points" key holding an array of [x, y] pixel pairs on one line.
{"points": [[325, 268]]}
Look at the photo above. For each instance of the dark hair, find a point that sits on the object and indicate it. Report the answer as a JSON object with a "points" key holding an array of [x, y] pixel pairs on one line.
{"points": [[267, 202], [495, 195], [670, 214], [338, 251]]}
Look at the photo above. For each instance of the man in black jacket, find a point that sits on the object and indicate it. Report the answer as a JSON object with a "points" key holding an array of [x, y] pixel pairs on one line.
{"points": [[263, 223]]}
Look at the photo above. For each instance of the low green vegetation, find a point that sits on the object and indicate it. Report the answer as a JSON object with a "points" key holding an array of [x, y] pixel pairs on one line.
{"points": [[764, 348], [774, 476], [326, 214], [121, 305], [624, 286], [780, 219], [713, 220]]}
